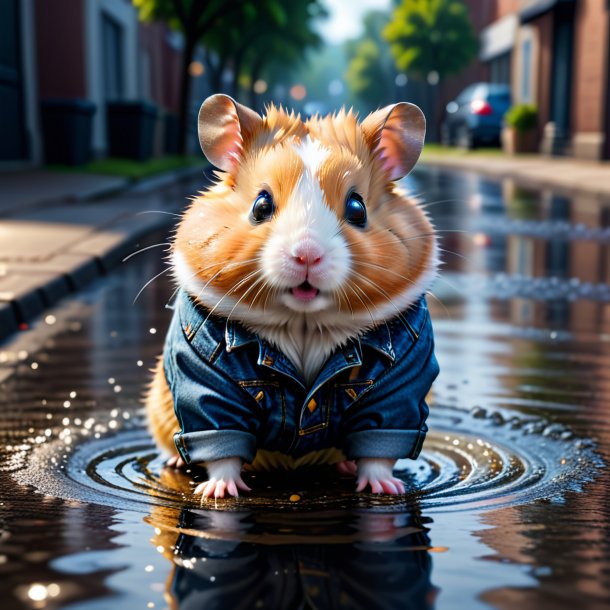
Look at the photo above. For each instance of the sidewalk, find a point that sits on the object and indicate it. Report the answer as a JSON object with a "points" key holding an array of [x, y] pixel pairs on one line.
{"points": [[563, 174], [60, 231]]}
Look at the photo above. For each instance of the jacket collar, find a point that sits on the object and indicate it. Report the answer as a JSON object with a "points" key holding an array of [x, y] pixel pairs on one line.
{"points": [[237, 336], [379, 339]]}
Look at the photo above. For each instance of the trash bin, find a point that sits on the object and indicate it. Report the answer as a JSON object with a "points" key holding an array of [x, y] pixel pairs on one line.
{"points": [[131, 129], [170, 128], [66, 127]]}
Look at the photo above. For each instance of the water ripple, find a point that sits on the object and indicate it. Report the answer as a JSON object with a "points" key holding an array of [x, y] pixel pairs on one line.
{"points": [[469, 461]]}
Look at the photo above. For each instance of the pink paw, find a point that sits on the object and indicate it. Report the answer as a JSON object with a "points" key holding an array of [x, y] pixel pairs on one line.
{"points": [[176, 462], [377, 474], [218, 487], [391, 485], [348, 467], [225, 477]]}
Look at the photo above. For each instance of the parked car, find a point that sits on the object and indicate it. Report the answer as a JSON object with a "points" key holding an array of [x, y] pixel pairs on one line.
{"points": [[475, 116]]}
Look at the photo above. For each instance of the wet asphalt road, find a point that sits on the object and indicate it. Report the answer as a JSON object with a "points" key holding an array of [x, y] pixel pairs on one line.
{"points": [[507, 506]]}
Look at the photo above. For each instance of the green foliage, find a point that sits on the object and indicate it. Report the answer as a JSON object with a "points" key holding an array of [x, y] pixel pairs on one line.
{"points": [[523, 117], [192, 17], [431, 36], [272, 52], [132, 169], [370, 72]]}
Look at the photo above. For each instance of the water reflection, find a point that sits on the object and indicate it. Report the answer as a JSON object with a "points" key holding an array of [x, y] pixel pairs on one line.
{"points": [[524, 343], [329, 560]]}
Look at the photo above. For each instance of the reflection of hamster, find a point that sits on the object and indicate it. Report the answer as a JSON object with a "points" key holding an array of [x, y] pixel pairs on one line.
{"points": [[300, 333]]}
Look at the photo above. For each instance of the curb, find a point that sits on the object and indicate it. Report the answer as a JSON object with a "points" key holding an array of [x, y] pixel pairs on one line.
{"points": [[32, 292], [536, 173]]}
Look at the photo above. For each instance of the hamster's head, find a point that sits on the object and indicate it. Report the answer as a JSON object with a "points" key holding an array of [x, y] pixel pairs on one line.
{"points": [[305, 218]]}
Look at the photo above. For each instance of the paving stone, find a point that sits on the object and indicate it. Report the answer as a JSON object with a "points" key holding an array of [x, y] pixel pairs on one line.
{"points": [[37, 241], [109, 248], [36, 187], [78, 269], [32, 292]]}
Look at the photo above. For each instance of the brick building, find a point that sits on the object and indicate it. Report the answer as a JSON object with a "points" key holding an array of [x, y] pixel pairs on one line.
{"points": [[93, 50], [555, 54]]}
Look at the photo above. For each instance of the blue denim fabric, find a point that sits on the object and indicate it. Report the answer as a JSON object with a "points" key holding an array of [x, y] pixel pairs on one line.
{"points": [[234, 393]]}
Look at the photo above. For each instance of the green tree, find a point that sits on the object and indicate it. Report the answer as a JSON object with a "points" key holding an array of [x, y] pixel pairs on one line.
{"points": [[431, 36], [229, 42], [195, 19], [431, 39], [275, 51], [370, 74]]}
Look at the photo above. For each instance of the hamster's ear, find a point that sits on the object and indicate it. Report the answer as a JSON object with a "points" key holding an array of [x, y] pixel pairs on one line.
{"points": [[224, 126], [397, 133]]}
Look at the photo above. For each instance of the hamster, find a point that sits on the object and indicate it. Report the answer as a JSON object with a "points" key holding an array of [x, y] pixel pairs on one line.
{"points": [[300, 333]]}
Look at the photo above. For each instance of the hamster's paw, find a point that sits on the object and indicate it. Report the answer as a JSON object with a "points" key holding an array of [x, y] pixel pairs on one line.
{"points": [[176, 462], [224, 477], [348, 467], [377, 474]]}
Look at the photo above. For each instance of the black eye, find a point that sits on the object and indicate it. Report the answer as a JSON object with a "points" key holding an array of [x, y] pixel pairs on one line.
{"points": [[262, 208], [355, 210]]}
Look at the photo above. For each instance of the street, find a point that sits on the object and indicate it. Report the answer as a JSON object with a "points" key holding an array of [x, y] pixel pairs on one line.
{"points": [[506, 507]]}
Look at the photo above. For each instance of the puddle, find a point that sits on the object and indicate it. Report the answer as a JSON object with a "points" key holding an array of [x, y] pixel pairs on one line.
{"points": [[459, 469], [506, 506]]}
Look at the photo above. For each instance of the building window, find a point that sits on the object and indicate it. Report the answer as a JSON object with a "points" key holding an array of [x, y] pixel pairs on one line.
{"points": [[112, 58], [526, 71], [499, 68]]}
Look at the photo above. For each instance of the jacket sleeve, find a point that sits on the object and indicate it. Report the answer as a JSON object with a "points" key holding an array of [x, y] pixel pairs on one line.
{"points": [[389, 420], [217, 418]]}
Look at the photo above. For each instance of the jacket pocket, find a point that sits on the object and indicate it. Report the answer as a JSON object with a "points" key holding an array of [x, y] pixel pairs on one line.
{"points": [[270, 397], [348, 393]]}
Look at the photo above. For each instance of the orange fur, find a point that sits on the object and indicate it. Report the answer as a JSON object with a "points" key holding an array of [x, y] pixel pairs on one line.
{"points": [[159, 403], [219, 243]]}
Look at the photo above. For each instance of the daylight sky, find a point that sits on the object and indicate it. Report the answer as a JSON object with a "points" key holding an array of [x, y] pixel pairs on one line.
{"points": [[345, 20]]}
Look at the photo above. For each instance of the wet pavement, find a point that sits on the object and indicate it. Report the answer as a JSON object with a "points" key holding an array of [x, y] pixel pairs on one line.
{"points": [[506, 507]]}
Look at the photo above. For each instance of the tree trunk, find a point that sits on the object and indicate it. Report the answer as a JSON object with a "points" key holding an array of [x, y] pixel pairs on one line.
{"points": [[432, 123], [254, 76], [185, 93]]}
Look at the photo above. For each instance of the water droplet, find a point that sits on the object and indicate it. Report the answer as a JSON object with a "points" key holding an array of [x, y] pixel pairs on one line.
{"points": [[37, 592]]}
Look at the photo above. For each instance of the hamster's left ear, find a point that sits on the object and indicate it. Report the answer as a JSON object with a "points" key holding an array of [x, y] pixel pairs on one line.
{"points": [[397, 133], [224, 127]]}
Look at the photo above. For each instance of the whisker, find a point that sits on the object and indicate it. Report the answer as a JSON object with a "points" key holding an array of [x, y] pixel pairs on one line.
{"points": [[440, 303], [260, 279], [144, 250], [150, 282], [382, 292], [159, 212], [353, 287], [431, 203], [228, 292]]}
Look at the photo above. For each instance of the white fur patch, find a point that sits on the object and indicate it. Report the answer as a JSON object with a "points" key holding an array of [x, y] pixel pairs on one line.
{"points": [[312, 153], [307, 216]]}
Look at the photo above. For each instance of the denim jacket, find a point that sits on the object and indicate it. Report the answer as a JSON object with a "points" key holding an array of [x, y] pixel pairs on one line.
{"points": [[234, 393]]}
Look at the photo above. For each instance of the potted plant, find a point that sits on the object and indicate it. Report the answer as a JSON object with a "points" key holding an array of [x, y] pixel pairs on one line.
{"points": [[519, 132]]}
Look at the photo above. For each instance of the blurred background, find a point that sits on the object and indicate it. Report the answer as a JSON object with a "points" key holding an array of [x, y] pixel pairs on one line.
{"points": [[86, 80]]}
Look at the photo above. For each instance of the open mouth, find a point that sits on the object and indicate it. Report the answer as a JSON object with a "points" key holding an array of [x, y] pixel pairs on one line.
{"points": [[305, 292]]}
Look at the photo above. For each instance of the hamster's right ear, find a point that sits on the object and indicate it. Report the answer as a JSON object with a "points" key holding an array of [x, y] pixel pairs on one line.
{"points": [[224, 126]]}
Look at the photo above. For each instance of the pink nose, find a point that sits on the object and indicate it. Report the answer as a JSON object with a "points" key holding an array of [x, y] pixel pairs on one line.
{"points": [[307, 253]]}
